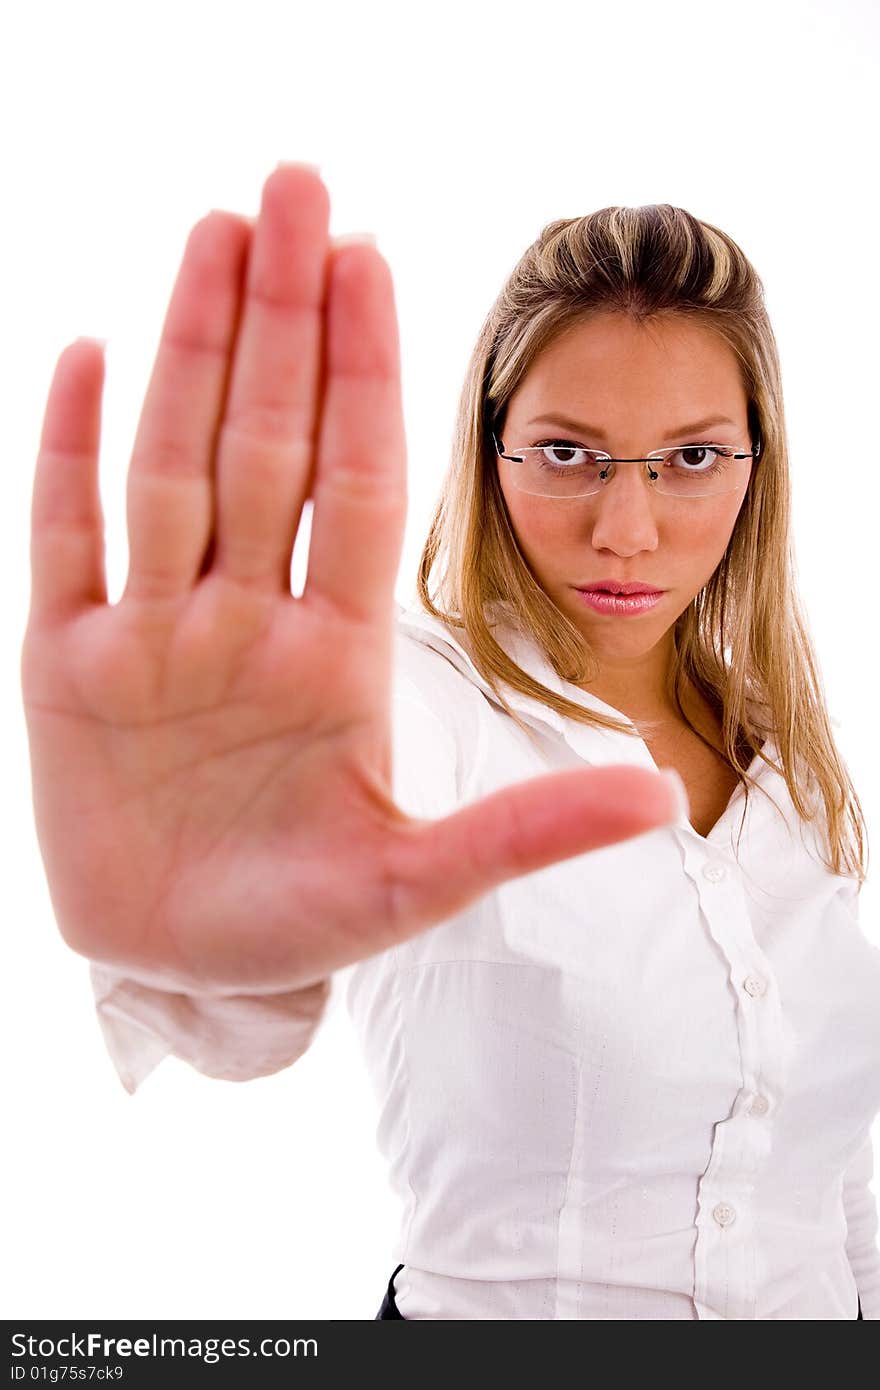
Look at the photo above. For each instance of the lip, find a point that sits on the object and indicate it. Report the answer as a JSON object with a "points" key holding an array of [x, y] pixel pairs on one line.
{"points": [[616, 586], [620, 605]]}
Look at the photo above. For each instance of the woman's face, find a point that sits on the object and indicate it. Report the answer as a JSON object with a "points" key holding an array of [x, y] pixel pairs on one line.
{"points": [[631, 388]]}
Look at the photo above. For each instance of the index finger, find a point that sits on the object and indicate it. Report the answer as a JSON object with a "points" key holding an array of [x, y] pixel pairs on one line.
{"points": [[360, 479]]}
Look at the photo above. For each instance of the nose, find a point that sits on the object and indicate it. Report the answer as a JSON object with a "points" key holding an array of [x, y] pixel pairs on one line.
{"points": [[624, 511]]}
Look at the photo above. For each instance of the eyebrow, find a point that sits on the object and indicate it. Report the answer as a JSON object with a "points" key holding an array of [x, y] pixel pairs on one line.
{"points": [[581, 428]]}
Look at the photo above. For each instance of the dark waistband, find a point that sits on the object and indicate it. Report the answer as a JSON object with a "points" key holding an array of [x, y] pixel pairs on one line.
{"points": [[389, 1308]]}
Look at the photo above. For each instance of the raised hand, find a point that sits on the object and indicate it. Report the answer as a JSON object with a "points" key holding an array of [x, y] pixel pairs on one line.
{"points": [[210, 756]]}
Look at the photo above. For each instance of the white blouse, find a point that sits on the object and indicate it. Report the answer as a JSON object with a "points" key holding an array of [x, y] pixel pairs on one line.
{"points": [[637, 1084]]}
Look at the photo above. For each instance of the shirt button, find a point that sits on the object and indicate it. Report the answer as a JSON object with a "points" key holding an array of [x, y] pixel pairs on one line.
{"points": [[724, 1214], [714, 872], [760, 1105], [754, 986]]}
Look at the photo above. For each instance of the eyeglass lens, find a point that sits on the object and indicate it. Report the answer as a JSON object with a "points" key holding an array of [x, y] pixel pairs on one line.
{"points": [[563, 470]]}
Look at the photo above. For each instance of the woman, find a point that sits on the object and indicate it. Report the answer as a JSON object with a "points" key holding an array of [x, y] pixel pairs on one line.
{"points": [[627, 1062]]}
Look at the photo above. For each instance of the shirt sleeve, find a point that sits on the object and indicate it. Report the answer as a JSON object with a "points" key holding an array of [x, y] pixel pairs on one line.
{"points": [[235, 1038], [862, 1250]]}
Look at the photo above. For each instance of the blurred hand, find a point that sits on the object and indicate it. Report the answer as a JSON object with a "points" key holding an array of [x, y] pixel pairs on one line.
{"points": [[211, 757]]}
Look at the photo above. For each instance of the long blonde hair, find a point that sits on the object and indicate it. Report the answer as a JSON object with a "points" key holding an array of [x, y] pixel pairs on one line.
{"points": [[743, 642]]}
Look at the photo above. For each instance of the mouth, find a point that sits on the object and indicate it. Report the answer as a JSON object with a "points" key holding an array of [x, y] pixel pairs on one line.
{"points": [[611, 603], [617, 590]]}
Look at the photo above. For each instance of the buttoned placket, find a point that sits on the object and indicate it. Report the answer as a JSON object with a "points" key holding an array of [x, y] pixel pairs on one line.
{"points": [[725, 1252]]}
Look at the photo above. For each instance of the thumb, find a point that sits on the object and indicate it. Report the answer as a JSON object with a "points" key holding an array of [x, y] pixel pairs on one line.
{"points": [[443, 865]]}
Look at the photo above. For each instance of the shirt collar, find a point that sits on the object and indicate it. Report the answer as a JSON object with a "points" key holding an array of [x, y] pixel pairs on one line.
{"points": [[525, 651], [522, 649]]}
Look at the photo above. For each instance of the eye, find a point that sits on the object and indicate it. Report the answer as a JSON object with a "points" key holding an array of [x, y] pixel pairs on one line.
{"points": [[700, 458], [561, 452]]}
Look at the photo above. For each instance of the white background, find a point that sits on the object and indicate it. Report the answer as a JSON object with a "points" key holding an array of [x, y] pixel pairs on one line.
{"points": [[454, 133]]}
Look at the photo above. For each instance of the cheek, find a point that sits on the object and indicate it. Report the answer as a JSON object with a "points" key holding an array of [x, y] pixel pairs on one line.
{"points": [[540, 528], [700, 542], [711, 530], [702, 534]]}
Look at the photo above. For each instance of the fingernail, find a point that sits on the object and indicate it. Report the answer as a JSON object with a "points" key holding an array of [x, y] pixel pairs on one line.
{"points": [[297, 164], [681, 797], [365, 238]]}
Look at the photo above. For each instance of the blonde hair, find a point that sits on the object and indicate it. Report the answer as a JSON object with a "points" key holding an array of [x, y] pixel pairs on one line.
{"points": [[743, 642]]}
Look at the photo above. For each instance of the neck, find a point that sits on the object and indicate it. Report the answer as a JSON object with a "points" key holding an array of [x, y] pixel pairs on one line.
{"points": [[640, 689]]}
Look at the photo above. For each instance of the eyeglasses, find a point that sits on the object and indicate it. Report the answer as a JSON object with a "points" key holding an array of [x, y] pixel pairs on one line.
{"points": [[560, 468]]}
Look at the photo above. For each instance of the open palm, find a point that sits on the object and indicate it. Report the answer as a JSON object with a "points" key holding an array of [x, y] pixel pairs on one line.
{"points": [[210, 756]]}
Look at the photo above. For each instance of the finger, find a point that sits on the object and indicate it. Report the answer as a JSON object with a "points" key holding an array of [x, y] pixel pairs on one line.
{"points": [[444, 866], [67, 525], [360, 482], [170, 484], [266, 443]]}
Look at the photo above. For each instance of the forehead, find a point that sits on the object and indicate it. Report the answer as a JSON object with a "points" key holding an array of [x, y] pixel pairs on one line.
{"points": [[621, 375]]}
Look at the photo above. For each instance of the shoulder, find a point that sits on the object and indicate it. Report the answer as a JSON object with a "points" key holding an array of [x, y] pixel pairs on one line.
{"points": [[437, 675], [439, 718]]}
